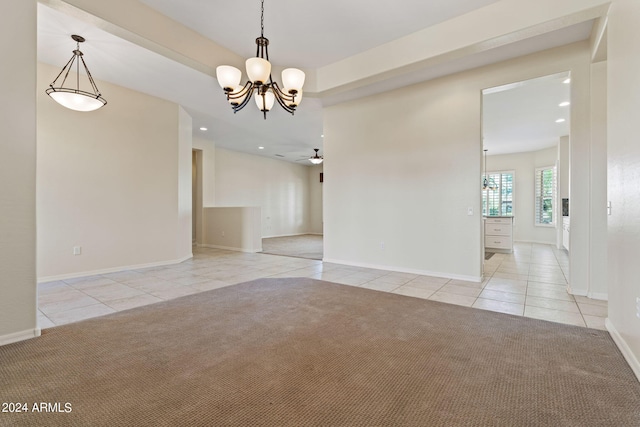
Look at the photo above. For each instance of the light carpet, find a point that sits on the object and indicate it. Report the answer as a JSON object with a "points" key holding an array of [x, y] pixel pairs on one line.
{"points": [[303, 352]]}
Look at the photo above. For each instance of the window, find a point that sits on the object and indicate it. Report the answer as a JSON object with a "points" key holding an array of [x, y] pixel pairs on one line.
{"points": [[500, 200], [545, 192]]}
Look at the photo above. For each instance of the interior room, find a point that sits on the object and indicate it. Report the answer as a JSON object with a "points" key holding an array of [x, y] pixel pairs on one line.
{"points": [[440, 207]]}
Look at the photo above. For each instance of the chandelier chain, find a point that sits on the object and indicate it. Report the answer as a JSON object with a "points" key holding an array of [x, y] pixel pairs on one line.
{"points": [[262, 20]]}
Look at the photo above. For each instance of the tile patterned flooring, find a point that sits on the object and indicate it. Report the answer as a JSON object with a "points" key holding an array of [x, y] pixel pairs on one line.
{"points": [[531, 282]]}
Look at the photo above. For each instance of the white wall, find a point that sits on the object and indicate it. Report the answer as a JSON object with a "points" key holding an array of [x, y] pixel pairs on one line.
{"points": [[623, 99], [405, 167], [315, 199], [280, 188], [115, 181], [524, 165], [564, 170], [18, 171]]}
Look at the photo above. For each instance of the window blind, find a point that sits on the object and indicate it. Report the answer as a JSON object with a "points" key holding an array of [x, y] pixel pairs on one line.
{"points": [[545, 193]]}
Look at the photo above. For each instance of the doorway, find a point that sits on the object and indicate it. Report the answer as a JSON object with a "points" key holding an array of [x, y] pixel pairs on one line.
{"points": [[196, 197], [526, 135]]}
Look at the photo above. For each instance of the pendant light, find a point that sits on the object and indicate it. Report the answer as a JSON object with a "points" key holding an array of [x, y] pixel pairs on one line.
{"points": [[75, 98], [260, 85], [486, 182], [315, 159]]}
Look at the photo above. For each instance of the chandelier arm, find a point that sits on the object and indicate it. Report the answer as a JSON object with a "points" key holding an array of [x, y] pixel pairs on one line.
{"points": [[287, 108], [245, 101], [285, 96], [239, 94]]}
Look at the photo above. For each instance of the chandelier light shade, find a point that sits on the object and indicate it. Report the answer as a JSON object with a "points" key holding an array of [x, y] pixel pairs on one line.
{"points": [[73, 97], [260, 85], [315, 159]]}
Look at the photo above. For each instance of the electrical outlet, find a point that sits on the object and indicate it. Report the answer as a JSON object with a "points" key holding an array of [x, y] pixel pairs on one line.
{"points": [[223, 234], [382, 246], [77, 250], [470, 211]]}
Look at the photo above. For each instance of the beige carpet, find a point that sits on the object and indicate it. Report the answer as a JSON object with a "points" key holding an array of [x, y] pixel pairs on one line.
{"points": [[308, 246], [301, 352]]}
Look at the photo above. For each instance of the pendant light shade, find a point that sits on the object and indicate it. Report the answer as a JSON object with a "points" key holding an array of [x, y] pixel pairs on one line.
{"points": [[260, 85], [258, 70], [74, 100], [265, 100], [293, 80], [72, 97], [228, 77]]}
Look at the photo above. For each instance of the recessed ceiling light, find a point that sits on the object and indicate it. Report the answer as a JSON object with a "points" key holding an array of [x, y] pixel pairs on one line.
{"points": [[567, 81], [321, 136], [564, 104], [260, 148], [203, 128], [559, 120]]}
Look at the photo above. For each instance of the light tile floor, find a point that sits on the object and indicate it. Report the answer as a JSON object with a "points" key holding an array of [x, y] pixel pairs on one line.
{"points": [[531, 282]]}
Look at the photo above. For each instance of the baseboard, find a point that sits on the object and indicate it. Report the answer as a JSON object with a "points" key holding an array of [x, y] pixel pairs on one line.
{"points": [[291, 235], [112, 270], [231, 248], [19, 336], [406, 270], [631, 359], [535, 241]]}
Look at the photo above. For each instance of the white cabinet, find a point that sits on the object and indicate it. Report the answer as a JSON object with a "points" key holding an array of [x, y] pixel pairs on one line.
{"points": [[498, 234], [565, 232]]}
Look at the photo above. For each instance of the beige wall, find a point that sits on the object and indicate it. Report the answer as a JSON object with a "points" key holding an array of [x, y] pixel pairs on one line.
{"points": [[280, 188], [115, 181], [598, 223], [208, 154], [315, 199], [406, 176], [524, 165], [18, 171], [623, 100]]}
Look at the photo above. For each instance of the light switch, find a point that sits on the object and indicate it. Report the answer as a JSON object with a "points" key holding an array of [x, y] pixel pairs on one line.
{"points": [[470, 211]]}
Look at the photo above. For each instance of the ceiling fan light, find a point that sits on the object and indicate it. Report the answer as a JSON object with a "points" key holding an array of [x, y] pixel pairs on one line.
{"points": [[315, 159], [228, 77], [258, 70], [265, 101], [293, 80]]}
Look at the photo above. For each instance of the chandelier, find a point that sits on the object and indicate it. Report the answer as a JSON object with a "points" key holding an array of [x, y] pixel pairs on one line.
{"points": [[260, 85], [487, 183], [315, 159], [74, 98]]}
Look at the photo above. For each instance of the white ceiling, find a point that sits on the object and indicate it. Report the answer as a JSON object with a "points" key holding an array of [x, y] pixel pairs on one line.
{"points": [[302, 34], [311, 34], [522, 116]]}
